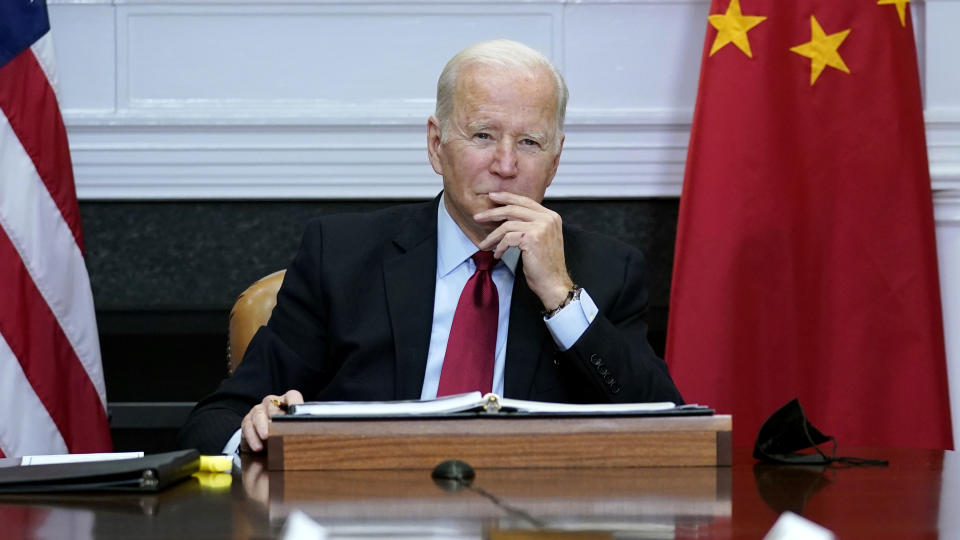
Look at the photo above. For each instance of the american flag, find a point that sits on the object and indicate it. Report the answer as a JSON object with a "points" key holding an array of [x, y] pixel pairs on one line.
{"points": [[52, 393]]}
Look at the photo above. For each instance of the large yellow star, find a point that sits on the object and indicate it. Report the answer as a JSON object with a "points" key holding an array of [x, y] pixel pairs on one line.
{"points": [[732, 27], [901, 8], [822, 50]]}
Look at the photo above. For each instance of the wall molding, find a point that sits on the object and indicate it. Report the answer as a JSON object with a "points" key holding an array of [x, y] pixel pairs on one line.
{"points": [[282, 157], [191, 159]]}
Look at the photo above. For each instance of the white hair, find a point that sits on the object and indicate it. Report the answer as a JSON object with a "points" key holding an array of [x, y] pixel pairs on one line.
{"points": [[498, 53]]}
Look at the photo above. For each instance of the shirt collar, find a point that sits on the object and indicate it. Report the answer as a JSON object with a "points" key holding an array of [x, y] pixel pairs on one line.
{"points": [[453, 246]]}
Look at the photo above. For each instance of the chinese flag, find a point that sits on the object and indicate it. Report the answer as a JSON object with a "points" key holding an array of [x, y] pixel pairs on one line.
{"points": [[806, 260]]}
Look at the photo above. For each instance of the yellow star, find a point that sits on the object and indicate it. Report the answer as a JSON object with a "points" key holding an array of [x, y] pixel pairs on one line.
{"points": [[732, 27], [822, 50], [901, 8]]}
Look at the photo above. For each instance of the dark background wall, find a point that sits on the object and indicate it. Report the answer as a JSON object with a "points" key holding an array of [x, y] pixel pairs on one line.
{"points": [[165, 274]]}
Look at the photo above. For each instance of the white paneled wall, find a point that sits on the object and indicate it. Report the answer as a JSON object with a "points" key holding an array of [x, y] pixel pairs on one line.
{"points": [[311, 98], [238, 99]]}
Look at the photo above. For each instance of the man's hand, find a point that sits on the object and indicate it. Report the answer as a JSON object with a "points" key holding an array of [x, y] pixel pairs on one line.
{"points": [[255, 425], [538, 233]]}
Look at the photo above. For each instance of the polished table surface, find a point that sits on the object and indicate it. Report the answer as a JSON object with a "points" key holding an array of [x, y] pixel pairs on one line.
{"points": [[904, 500]]}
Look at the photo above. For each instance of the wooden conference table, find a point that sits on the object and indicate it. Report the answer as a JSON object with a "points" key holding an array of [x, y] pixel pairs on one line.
{"points": [[742, 501]]}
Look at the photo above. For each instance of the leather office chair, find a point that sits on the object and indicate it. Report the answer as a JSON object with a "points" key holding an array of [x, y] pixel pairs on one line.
{"points": [[251, 311]]}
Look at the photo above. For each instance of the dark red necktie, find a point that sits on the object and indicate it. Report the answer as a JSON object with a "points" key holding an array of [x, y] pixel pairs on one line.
{"points": [[468, 362]]}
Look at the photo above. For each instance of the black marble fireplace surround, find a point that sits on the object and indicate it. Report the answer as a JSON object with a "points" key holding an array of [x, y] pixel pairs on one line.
{"points": [[165, 273]]}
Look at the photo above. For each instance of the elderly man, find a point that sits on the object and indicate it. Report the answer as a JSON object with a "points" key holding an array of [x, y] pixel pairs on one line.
{"points": [[480, 289]]}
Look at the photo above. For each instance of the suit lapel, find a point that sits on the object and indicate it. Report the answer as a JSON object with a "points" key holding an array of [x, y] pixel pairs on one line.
{"points": [[525, 339], [410, 279]]}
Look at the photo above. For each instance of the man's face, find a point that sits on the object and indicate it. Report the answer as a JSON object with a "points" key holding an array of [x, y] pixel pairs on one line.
{"points": [[502, 137]]}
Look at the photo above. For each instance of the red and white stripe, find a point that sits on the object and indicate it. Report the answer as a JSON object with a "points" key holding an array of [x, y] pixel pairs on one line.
{"points": [[52, 394]]}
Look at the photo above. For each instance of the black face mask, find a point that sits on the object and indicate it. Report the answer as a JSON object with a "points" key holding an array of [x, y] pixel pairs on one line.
{"points": [[787, 431]]}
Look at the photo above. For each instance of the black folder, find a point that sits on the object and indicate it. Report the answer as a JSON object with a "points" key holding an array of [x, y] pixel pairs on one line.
{"points": [[149, 473]]}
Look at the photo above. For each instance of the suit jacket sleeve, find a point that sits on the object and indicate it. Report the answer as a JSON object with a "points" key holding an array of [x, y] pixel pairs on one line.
{"points": [[613, 358], [287, 353]]}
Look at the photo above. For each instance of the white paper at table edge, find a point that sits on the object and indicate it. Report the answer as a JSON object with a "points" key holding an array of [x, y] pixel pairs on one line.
{"points": [[78, 458], [795, 527], [300, 526]]}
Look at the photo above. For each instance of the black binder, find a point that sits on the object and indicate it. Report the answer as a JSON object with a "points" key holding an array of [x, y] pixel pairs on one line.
{"points": [[149, 473]]}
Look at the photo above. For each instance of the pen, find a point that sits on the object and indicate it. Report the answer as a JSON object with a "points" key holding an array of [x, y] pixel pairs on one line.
{"points": [[281, 404]]}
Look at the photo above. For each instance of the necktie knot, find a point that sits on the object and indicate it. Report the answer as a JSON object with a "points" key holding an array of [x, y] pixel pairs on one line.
{"points": [[484, 260]]}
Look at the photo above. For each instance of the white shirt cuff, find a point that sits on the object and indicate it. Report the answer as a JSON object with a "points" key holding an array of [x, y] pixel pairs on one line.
{"points": [[572, 321], [233, 445]]}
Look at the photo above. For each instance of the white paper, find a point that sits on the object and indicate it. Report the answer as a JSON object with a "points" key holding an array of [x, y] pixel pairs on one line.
{"points": [[583, 408], [446, 404], [78, 458], [790, 526], [300, 526]]}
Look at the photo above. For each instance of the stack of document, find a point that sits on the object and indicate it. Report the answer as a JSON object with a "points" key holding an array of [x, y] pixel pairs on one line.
{"points": [[475, 402]]}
